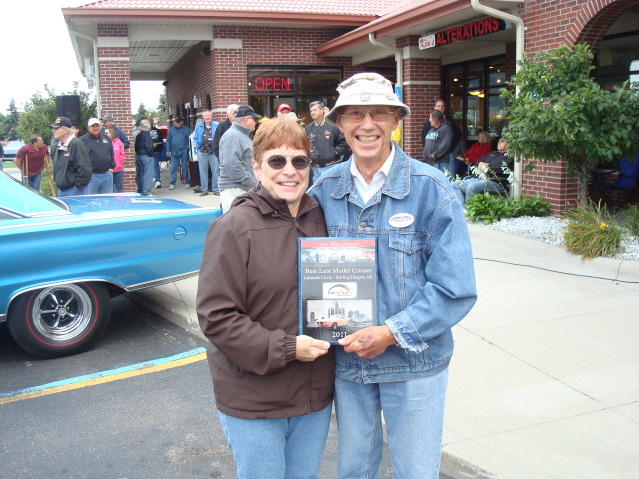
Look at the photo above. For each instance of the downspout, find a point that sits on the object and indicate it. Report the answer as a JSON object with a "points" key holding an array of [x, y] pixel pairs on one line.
{"points": [[519, 55], [399, 60], [96, 63]]}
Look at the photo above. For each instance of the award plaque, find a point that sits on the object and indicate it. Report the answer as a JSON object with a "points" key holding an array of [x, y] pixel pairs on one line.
{"points": [[337, 286]]}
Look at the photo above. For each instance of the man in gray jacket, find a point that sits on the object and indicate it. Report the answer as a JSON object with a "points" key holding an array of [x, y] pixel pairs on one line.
{"points": [[236, 154]]}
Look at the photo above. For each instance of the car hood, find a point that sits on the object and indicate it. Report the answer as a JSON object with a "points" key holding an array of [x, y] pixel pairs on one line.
{"points": [[123, 201]]}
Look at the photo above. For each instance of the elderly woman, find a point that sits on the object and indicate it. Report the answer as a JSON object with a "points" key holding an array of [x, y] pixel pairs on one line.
{"points": [[273, 387], [474, 153]]}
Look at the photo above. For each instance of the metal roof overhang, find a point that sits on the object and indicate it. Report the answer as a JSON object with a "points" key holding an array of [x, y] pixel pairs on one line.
{"points": [[159, 38]]}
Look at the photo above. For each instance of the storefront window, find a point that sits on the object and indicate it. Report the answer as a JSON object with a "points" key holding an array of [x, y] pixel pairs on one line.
{"points": [[270, 86], [473, 96], [616, 60]]}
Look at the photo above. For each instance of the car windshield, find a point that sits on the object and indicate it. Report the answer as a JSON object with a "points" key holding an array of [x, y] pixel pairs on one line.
{"points": [[26, 201]]}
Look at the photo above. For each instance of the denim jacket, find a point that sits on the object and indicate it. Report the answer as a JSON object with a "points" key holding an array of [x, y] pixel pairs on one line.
{"points": [[425, 269]]}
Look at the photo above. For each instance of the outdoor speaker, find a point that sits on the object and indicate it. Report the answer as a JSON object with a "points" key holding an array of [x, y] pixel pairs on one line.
{"points": [[69, 106]]}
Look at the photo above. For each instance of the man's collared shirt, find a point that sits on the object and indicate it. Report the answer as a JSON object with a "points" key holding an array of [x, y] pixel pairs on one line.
{"points": [[367, 191]]}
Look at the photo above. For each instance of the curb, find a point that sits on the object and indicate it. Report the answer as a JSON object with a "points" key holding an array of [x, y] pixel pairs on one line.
{"points": [[456, 467], [495, 245]]}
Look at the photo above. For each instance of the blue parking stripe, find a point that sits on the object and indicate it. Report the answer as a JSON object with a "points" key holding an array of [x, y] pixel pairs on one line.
{"points": [[110, 372]]}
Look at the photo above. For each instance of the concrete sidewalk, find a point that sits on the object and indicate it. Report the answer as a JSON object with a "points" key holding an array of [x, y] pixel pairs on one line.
{"points": [[544, 382]]}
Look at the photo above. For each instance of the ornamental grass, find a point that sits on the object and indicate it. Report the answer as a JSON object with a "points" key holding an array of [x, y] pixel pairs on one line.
{"points": [[591, 231]]}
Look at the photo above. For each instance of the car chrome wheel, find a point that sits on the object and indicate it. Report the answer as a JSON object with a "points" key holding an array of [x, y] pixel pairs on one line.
{"points": [[62, 312]]}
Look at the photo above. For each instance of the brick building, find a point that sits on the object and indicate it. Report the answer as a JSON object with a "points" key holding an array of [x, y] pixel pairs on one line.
{"points": [[211, 53]]}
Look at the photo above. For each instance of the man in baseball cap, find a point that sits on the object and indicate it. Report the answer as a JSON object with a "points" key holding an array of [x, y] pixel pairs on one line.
{"points": [[102, 159], [107, 121], [283, 109], [71, 163], [426, 285], [236, 156]]}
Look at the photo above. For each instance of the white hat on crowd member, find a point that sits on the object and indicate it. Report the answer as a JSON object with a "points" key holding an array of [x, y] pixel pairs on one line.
{"points": [[145, 125], [365, 89], [93, 121]]}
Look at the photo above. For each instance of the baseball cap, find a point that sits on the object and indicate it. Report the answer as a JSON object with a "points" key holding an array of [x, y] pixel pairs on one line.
{"points": [[292, 116], [93, 121], [246, 110], [283, 106], [145, 125], [179, 119], [107, 118], [365, 89], [61, 121]]}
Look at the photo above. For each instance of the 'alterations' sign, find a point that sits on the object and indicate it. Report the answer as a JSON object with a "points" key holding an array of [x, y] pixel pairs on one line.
{"points": [[456, 34]]}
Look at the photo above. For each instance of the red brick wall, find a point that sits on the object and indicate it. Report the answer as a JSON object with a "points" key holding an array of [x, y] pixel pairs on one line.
{"points": [[223, 74], [115, 89]]}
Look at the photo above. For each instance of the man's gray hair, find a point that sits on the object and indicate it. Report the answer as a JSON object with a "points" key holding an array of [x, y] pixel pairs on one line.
{"points": [[238, 119], [320, 104], [231, 107]]}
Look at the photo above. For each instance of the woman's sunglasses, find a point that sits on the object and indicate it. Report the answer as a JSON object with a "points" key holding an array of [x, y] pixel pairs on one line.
{"points": [[277, 162]]}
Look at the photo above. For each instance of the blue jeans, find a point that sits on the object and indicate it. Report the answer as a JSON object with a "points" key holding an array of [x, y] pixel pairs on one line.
{"points": [[100, 183], [206, 161], [72, 192], [156, 165], [118, 178], [34, 181], [1, 166], [414, 415], [177, 160], [286, 448], [144, 174], [469, 187]]}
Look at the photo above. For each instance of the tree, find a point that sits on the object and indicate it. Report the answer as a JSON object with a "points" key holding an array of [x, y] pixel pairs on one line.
{"points": [[10, 122], [562, 113], [142, 113], [40, 111]]}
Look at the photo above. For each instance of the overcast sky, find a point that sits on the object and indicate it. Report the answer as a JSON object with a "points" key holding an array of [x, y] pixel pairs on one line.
{"points": [[37, 50]]}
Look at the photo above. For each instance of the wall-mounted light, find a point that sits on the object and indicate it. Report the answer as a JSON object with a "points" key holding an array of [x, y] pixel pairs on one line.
{"points": [[165, 83], [206, 51]]}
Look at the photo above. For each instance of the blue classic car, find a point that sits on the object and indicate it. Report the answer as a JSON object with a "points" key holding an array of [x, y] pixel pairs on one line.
{"points": [[63, 259]]}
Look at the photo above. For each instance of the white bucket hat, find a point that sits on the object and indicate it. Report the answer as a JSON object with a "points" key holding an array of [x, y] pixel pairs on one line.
{"points": [[366, 89]]}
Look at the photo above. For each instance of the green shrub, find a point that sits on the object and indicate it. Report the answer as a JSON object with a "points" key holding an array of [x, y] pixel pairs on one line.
{"points": [[632, 220], [488, 209], [591, 231]]}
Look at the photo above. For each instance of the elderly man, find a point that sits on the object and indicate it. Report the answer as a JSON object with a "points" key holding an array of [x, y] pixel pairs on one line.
{"points": [[32, 159], [487, 176], [177, 148], [107, 122], [236, 155], [327, 142], [222, 128], [102, 159], [203, 139], [71, 162], [426, 285]]}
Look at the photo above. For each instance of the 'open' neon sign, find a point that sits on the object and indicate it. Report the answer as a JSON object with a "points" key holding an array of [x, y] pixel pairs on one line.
{"points": [[268, 84]]}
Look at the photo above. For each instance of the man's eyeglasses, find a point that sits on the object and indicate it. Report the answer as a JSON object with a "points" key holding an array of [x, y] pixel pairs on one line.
{"points": [[378, 114], [277, 162]]}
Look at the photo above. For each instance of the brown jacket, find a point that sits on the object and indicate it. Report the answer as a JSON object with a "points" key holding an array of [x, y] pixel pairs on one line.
{"points": [[247, 306]]}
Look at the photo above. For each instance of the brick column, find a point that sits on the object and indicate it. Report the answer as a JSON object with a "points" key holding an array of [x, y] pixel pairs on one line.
{"points": [[115, 87], [422, 86]]}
